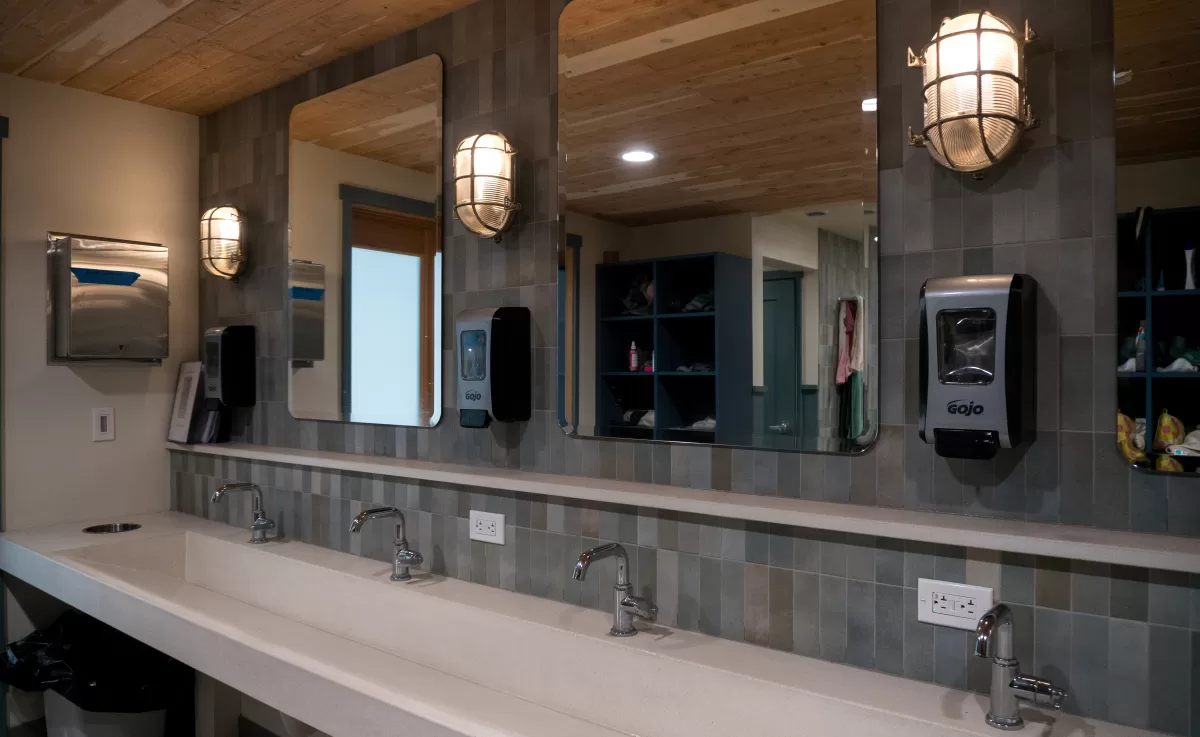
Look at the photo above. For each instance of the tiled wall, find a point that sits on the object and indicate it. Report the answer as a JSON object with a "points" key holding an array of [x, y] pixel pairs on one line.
{"points": [[1048, 211], [1125, 642]]}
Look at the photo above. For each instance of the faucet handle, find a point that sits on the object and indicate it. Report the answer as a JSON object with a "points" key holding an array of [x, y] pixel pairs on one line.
{"points": [[640, 607], [409, 558], [1038, 691], [262, 523]]}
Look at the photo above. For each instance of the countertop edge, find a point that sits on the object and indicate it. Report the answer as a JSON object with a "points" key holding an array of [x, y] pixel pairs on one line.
{"points": [[1060, 541]]}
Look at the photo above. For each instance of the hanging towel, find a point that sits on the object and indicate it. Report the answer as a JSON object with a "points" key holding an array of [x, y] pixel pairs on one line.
{"points": [[854, 423], [858, 351], [845, 340]]}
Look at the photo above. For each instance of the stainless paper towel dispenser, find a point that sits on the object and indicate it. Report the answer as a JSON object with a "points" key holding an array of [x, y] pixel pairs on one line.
{"points": [[306, 299], [108, 299]]}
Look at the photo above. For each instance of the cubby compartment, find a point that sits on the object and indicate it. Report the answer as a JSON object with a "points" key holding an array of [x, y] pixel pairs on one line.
{"points": [[686, 285], [702, 354], [686, 343], [617, 286], [623, 400]]}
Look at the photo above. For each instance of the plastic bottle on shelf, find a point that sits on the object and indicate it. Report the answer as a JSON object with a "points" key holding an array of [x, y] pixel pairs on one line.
{"points": [[1140, 360], [633, 356]]}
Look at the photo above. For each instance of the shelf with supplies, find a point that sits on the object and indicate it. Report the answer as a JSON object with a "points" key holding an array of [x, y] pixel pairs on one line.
{"points": [[693, 334], [1158, 299]]}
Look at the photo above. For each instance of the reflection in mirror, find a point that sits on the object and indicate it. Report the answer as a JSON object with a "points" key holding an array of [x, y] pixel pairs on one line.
{"points": [[365, 256], [1158, 226], [719, 257]]}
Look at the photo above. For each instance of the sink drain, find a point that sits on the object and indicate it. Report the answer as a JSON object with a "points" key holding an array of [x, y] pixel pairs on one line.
{"points": [[111, 527]]}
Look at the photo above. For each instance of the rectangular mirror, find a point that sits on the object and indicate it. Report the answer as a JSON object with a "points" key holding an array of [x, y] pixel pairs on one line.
{"points": [[365, 250], [718, 262], [1158, 228]]}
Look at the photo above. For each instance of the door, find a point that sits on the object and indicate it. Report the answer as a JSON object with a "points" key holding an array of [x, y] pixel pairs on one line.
{"points": [[782, 359]]}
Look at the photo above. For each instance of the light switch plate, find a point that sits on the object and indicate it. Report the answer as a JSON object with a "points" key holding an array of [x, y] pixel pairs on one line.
{"points": [[951, 604], [103, 427], [487, 527]]}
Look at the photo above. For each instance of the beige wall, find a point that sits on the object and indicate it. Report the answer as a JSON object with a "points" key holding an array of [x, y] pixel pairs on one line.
{"points": [[316, 235], [1163, 184], [82, 163]]}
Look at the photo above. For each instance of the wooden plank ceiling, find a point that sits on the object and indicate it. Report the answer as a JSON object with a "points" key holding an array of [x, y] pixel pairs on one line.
{"points": [[1158, 110], [751, 105], [195, 56], [395, 116]]}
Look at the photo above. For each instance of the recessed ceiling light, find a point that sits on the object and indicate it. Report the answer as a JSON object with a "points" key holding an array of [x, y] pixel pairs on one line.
{"points": [[817, 213], [870, 105], [638, 156]]}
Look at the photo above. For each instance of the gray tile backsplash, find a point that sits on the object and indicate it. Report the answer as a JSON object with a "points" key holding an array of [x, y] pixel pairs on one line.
{"points": [[843, 598], [1124, 641]]}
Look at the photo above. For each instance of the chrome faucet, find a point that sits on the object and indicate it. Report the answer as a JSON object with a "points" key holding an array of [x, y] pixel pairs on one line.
{"points": [[260, 523], [403, 557], [625, 605], [994, 639]]}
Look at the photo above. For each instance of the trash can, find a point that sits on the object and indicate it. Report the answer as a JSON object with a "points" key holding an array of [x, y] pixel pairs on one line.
{"points": [[100, 682]]}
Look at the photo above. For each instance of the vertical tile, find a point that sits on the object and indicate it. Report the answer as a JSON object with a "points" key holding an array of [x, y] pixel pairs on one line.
{"points": [[709, 597], [1076, 383], [689, 591], [1169, 599], [1129, 672], [919, 660], [889, 629], [860, 624], [950, 657], [889, 561], [1077, 503], [1129, 598], [781, 547], [806, 614], [833, 618], [667, 595], [756, 596], [1171, 687], [1017, 578], [807, 550], [1053, 583], [1052, 646], [1089, 666], [1090, 587], [1195, 681], [780, 605]]}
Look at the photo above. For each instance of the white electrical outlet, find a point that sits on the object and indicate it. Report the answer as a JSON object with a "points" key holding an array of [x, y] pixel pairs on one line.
{"points": [[103, 425], [487, 527], [951, 604]]}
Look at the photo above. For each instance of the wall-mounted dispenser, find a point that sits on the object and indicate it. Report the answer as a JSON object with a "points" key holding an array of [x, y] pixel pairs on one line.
{"points": [[495, 374], [306, 299], [978, 364], [229, 367], [108, 299]]}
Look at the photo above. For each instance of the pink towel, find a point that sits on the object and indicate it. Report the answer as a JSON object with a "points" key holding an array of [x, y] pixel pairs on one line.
{"points": [[847, 314]]}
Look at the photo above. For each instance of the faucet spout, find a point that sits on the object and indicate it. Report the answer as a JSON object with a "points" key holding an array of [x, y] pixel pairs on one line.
{"points": [[611, 550], [993, 634]]}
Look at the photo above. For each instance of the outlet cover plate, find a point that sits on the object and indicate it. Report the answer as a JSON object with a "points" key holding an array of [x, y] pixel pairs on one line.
{"points": [[954, 605], [103, 428], [487, 527]]}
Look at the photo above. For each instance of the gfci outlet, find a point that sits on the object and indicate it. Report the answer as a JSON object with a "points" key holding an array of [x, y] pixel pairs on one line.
{"points": [[951, 604], [487, 527]]}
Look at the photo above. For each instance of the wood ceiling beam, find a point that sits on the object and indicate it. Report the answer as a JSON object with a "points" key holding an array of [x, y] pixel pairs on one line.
{"points": [[688, 32]]}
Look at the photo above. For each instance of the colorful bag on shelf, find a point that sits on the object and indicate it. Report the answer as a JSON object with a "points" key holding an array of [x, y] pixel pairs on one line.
{"points": [[1168, 432], [1127, 439], [1167, 463]]}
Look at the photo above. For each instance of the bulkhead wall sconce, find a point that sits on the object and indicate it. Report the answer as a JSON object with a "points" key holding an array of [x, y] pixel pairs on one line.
{"points": [[222, 246], [485, 184], [974, 86]]}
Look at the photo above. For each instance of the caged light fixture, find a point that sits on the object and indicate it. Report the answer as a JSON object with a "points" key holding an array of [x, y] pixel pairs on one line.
{"points": [[974, 86], [485, 184], [222, 250]]}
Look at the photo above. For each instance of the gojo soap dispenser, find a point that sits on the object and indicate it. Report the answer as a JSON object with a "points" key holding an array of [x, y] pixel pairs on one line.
{"points": [[495, 374], [978, 360]]}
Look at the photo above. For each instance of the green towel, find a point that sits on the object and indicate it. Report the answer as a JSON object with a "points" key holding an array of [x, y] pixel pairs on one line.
{"points": [[853, 421]]}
